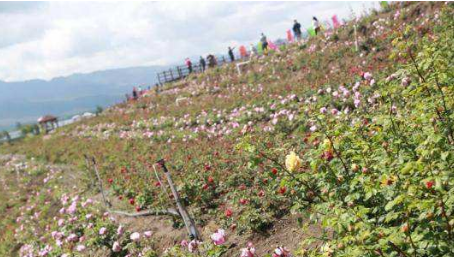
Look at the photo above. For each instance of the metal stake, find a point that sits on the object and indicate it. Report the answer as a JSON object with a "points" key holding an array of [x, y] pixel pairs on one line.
{"points": [[188, 221]]}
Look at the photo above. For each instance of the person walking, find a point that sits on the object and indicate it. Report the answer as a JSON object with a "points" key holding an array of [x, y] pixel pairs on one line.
{"points": [[231, 55], [189, 64], [211, 61], [202, 64], [297, 30], [253, 51], [156, 88], [316, 25], [264, 42], [134, 93]]}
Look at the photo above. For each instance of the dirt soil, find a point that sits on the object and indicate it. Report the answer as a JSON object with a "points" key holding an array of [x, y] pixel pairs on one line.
{"points": [[285, 232]]}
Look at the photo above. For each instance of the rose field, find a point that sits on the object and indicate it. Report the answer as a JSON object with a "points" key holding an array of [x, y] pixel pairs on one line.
{"points": [[340, 146]]}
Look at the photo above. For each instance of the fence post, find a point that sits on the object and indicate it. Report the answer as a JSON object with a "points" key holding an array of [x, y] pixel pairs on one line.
{"points": [[356, 38], [188, 221], [180, 75], [171, 74]]}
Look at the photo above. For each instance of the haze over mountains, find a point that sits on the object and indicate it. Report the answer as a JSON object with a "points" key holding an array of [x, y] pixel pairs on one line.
{"points": [[65, 96]]}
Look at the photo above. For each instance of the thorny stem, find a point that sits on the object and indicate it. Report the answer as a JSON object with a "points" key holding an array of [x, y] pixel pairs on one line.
{"points": [[451, 136], [332, 171], [438, 86], [418, 71], [334, 149], [397, 249], [441, 91], [338, 154], [380, 252], [411, 240], [416, 65], [443, 213], [400, 135]]}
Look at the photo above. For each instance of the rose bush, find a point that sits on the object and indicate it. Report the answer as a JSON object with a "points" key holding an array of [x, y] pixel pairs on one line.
{"points": [[371, 135]]}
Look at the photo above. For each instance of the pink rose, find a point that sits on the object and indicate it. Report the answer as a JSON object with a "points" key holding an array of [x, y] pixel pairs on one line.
{"points": [[281, 252], [368, 76], [218, 237], [193, 245], [120, 230], [147, 234], [102, 230], [116, 247], [184, 243], [72, 208], [249, 251], [72, 238], [80, 248], [135, 236]]}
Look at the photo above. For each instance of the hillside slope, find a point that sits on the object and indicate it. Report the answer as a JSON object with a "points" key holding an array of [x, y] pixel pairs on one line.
{"points": [[319, 149]]}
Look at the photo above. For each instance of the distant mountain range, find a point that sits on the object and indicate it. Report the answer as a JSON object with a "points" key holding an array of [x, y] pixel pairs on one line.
{"points": [[26, 101]]}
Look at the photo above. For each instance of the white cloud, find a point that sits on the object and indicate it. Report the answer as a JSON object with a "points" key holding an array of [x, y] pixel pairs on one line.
{"points": [[61, 38]]}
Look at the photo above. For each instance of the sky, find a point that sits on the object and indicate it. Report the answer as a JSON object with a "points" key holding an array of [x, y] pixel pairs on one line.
{"points": [[43, 40]]}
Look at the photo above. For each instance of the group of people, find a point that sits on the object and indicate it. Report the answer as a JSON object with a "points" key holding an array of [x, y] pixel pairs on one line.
{"points": [[212, 62], [138, 92], [211, 59], [253, 51], [297, 28]]}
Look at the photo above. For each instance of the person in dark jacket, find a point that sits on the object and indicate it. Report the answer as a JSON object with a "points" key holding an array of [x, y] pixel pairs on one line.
{"points": [[232, 57], [297, 30], [202, 64], [134, 93], [264, 42]]}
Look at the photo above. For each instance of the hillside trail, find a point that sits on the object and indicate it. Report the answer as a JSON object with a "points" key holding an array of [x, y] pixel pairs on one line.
{"points": [[286, 231]]}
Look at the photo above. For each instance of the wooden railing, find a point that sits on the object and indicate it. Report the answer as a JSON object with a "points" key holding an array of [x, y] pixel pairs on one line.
{"points": [[182, 71]]}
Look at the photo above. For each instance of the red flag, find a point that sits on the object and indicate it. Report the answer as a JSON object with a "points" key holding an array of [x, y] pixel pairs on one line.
{"points": [[289, 36], [336, 22], [243, 51]]}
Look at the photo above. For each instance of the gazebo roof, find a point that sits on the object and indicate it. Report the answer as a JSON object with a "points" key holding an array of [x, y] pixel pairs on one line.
{"points": [[47, 118]]}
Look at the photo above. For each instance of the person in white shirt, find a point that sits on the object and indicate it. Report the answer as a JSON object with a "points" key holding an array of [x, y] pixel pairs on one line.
{"points": [[316, 25]]}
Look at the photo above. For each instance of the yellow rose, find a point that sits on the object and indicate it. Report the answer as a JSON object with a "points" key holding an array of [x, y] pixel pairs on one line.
{"points": [[292, 162]]}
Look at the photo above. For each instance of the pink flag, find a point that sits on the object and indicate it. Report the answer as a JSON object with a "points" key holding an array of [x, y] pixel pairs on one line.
{"points": [[271, 45], [336, 22], [289, 36], [243, 51]]}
